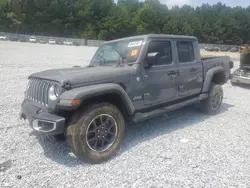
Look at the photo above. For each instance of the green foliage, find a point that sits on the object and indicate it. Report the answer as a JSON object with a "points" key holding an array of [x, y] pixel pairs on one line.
{"points": [[152, 17], [106, 20]]}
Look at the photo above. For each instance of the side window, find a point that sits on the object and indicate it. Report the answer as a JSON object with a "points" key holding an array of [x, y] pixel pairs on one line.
{"points": [[185, 51], [164, 49]]}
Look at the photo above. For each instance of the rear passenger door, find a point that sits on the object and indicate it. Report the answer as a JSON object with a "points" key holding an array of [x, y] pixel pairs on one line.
{"points": [[190, 68]]}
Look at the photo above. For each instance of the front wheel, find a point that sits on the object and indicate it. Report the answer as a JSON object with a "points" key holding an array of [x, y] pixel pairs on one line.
{"points": [[212, 104], [95, 135]]}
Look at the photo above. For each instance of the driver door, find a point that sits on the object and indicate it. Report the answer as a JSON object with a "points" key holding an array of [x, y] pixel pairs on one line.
{"points": [[160, 79]]}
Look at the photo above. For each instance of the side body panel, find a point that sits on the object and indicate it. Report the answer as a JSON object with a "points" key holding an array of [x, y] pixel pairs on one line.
{"points": [[213, 66], [223, 61], [190, 79]]}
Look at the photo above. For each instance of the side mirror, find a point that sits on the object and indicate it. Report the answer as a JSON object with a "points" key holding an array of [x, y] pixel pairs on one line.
{"points": [[152, 58]]}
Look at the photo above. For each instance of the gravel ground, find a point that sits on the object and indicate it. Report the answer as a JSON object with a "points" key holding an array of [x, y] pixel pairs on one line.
{"points": [[181, 149]]}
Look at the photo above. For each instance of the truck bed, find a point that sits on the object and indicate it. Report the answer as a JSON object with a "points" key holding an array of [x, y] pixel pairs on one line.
{"points": [[216, 61], [212, 57]]}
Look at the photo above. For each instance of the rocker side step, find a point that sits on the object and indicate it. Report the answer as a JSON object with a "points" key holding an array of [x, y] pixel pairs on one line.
{"points": [[141, 116]]}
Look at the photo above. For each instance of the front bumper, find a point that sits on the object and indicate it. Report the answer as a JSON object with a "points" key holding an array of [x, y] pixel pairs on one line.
{"points": [[41, 120]]}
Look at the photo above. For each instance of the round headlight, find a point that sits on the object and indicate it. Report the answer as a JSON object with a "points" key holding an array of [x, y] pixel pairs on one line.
{"points": [[54, 92], [57, 90]]}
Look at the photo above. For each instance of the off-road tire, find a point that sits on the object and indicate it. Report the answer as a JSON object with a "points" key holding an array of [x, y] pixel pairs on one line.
{"points": [[206, 104], [78, 125]]}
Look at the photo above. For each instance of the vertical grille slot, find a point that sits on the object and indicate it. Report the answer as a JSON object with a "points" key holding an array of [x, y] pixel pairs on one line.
{"points": [[30, 89], [38, 91], [34, 90], [42, 93], [47, 91]]}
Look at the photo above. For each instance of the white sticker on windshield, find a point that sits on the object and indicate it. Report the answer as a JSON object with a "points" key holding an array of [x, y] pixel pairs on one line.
{"points": [[135, 43]]}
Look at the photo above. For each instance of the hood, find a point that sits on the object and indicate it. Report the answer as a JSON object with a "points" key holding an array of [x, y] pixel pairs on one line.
{"points": [[83, 75]]}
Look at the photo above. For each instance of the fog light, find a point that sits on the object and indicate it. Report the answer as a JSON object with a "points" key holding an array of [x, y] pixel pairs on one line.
{"points": [[43, 126]]}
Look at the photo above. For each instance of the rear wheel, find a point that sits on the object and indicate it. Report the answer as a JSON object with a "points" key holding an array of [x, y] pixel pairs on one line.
{"points": [[212, 104], [95, 135]]}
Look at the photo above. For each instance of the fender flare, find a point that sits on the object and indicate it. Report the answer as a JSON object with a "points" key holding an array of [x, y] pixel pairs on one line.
{"points": [[87, 92], [209, 75]]}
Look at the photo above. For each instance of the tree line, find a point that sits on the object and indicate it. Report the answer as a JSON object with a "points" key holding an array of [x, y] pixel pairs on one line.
{"points": [[107, 19]]}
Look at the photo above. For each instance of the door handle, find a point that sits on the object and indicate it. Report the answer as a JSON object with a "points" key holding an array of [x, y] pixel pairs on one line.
{"points": [[192, 69]]}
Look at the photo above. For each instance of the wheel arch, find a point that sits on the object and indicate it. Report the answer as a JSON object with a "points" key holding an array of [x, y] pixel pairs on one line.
{"points": [[214, 75], [112, 93]]}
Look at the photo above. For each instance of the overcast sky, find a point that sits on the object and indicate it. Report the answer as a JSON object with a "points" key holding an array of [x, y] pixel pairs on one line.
{"points": [[233, 3]]}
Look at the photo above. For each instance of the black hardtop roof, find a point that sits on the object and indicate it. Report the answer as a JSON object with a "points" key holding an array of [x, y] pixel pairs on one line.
{"points": [[155, 36], [170, 36]]}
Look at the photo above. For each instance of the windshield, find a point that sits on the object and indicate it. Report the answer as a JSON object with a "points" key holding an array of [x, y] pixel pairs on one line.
{"points": [[119, 51]]}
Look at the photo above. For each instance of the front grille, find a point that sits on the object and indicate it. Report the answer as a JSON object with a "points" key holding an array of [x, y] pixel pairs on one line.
{"points": [[38, 91]]}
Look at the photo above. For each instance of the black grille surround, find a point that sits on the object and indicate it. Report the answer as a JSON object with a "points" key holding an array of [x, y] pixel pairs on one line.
{"points": [[38, 91]]}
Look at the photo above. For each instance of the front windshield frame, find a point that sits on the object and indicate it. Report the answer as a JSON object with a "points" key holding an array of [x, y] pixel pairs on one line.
{"points": [[124, 51]]}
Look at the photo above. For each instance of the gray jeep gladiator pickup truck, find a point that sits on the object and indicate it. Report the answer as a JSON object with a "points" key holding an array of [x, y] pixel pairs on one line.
{"points": [[127, 80]]}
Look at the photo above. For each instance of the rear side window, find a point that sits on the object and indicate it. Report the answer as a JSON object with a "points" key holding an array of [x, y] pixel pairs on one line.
{"points": [[185, 51], [164, 50]]}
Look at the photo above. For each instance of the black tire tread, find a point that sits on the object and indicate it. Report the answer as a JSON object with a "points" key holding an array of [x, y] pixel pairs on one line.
{"points": [[76, 124], [205, 104]]}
